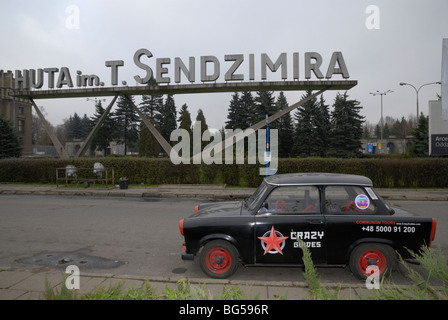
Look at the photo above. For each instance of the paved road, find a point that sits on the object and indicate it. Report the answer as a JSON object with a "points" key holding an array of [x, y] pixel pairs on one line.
{"points": [[134, 237]]}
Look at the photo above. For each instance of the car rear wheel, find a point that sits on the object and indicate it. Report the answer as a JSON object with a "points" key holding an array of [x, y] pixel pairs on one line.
{"points": [[219, 259], [372, 254]]}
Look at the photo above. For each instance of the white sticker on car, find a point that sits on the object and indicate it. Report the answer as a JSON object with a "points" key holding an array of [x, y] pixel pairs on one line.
{"points": [[362, 202]]}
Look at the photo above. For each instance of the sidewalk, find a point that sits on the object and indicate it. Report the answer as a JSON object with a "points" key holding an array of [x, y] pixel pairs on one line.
{"points": [[28, 285], [210, 192]]}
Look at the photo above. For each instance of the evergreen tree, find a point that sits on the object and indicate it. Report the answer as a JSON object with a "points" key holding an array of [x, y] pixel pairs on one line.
{"points": [[185, 119], [77, 128], [323, 127], [186, 123], [151, 104], [306, 134], [86, 126], [10, 144], [386, 131], [148, 146], [365, 131], [126, 123], [247, 105], [285, 128], [70, 125], [234, 116], [396, 129], [200, 120], [105, 134], [264, 105], [346, 127], [421, 136], [401, 129], [378, 131], [166, 118]]}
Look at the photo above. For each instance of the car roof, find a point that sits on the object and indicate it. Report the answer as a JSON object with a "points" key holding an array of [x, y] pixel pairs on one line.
{"points": [[318, 179]]}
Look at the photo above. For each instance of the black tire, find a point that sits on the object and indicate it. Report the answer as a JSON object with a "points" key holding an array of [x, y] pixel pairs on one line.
{"points": [[219, 259], [381, 255]]}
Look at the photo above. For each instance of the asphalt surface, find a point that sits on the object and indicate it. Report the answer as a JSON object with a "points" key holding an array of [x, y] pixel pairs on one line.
{"points": [[30, 285], [211, 192]]}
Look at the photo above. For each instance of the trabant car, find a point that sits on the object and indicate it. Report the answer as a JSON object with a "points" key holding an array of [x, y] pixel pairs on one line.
{"points": [[340, 218]]}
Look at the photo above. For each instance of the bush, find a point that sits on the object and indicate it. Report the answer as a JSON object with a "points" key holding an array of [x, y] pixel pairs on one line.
{"points": [[384, 172]]}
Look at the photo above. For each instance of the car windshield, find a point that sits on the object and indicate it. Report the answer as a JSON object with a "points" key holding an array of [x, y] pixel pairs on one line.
{"points": [[258, 194]]}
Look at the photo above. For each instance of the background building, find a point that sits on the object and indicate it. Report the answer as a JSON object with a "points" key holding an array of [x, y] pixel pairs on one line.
{"points": [[391, 145], [17, 111]]}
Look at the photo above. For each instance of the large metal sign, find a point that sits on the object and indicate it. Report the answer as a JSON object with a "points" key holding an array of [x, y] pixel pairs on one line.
{"points": [[240, 74], [236, 67]]}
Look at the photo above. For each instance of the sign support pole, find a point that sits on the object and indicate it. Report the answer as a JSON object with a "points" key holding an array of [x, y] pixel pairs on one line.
{"points": [[165, 145], [59, 147], [94, 131]]}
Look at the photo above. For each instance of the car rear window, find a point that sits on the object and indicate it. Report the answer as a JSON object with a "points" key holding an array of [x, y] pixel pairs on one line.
{"points": [[347, 200]]}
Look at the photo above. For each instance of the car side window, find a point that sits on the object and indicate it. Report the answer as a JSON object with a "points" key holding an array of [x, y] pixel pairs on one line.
{"points": [[348, 200], [293, 200]]}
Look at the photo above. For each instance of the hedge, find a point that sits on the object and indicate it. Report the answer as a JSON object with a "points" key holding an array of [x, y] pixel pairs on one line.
{"points": [[385, 173]]}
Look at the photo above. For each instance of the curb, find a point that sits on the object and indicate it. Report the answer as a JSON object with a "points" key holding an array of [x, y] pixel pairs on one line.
{"points": [[209, 192]]}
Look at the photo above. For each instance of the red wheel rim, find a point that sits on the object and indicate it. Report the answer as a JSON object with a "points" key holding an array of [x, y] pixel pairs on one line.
{"points": [[218, 260], [370, 257]]}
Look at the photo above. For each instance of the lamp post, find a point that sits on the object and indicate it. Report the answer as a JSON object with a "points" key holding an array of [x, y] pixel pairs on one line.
{"points": [[417, 91], [381, 94], [96, 100]]}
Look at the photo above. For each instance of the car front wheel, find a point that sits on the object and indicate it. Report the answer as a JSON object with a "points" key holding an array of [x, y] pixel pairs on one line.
{"points": [[219, 259]]}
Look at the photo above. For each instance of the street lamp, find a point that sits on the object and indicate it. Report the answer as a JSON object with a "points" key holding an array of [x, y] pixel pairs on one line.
{"points": [[417, 90], [381, 94], [96, 100]]}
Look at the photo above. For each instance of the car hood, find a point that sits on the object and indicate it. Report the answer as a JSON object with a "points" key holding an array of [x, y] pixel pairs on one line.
{"points": [[219, 209]]}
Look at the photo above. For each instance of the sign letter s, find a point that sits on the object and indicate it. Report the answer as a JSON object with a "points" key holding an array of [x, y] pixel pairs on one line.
{"points": [[143, 66]]}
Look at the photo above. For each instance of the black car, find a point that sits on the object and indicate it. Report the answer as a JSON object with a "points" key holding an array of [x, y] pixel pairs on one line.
{"points": [[339, 217]]}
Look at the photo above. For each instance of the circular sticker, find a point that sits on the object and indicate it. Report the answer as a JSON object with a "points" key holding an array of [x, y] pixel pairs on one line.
{"points": [[362, 202]]}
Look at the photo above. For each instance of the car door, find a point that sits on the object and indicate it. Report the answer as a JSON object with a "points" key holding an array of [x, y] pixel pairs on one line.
{"points": [[351, 214], [288, 216]]}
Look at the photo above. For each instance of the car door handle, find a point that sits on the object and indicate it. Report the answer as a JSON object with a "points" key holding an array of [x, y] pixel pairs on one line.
{"points": [[315, 221]]}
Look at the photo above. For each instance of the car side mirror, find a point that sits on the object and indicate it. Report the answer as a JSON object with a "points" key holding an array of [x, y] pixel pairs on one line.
{"points": [[389, 208]]}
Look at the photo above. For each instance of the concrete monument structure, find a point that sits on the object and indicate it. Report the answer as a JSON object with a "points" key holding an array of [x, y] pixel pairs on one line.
{"points": [[438, 113]]}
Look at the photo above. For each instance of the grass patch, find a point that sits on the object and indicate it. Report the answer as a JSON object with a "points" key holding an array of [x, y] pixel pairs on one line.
{"points": [[432, 260], [435, 265], [183, 290]]}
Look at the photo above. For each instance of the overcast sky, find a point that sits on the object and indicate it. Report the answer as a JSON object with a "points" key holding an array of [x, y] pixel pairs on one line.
{"points": [[407, 47]]}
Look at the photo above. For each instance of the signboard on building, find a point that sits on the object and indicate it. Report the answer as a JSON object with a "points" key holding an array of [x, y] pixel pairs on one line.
{"points": [[439, 144]]}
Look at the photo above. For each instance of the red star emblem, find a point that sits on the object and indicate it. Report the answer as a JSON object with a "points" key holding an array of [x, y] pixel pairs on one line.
{"points": [[273, 242]]}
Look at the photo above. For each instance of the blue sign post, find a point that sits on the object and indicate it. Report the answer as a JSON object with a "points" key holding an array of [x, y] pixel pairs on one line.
{"points": [[267, 147]]}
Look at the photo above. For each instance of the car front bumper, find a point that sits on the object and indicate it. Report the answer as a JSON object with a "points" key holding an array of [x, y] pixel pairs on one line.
{"points": [[185, 255]]}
